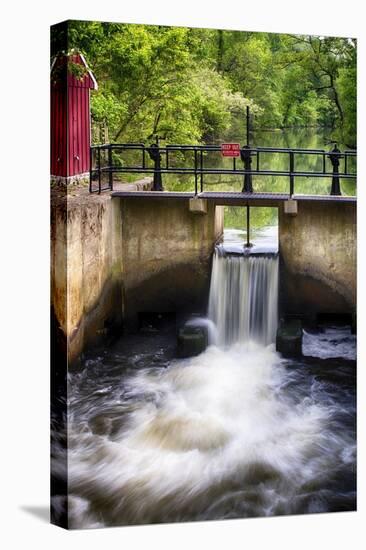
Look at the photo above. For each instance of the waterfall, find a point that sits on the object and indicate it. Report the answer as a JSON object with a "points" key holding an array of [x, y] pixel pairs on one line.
{"points": [[229, 433], [243, 297]]}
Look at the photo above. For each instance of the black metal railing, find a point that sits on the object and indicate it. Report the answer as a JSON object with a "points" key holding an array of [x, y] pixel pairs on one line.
{"points": [[107, 160]]}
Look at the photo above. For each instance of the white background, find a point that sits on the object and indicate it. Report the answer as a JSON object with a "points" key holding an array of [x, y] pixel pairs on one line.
{"points": [[24, 260]]}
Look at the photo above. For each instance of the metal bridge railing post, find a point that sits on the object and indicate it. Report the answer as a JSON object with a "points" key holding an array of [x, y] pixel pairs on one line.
{"points": [[99, 173], [90, 170], [335, 156], [195, 173], [154, 153], [292, 169], [201, 168], [110, 172], [105, 159], [245, 155]]}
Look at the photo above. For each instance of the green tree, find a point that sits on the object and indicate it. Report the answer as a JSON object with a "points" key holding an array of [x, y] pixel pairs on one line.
{"points": [[192, 85]]}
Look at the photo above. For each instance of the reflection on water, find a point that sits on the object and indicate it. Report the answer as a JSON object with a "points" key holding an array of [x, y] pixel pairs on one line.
{"points": [[307, 138], [263, 240]]}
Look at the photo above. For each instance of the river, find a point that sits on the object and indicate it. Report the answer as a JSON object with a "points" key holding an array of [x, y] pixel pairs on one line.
{"points": [[228, 434], [235, 432], [305, 138]]}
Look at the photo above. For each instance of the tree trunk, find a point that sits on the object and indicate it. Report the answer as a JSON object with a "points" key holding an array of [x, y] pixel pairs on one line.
{"points": [[337, 102], [220, 50]]}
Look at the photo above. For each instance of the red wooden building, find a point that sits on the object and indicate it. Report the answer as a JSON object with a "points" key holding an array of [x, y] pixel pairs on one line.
{"points": [[71, 82]]}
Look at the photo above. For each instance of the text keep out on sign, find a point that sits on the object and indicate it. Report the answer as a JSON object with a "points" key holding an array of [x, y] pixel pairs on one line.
{"points": [[230, 149]]}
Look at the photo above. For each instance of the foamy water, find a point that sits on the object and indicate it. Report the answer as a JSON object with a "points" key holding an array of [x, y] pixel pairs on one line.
{"points": [[235, 432], [226, 434], [332, 342]]}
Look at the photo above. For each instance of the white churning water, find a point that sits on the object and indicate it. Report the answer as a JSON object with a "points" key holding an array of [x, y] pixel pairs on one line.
{"points": [[229, 433], [214, 436]]}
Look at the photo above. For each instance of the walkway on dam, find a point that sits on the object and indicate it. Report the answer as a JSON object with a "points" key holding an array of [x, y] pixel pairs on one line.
{"points": [[232, 198]]}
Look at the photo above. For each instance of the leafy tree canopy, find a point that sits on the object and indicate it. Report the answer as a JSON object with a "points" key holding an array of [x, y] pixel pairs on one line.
{"points": [[189, 85]]}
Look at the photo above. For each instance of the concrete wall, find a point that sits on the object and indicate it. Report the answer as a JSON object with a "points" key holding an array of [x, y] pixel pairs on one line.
{"points": [[166, 251], [86, 269], [113, 258], [318, 258]]}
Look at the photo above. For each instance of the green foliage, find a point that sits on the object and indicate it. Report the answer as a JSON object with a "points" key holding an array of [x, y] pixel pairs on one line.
{"points": [[191, 85], [107, 108], [321, 81], [260, 217], [156, 81], [347, 86]]}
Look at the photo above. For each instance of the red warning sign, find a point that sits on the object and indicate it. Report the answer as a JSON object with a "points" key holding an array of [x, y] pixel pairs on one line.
{"points": [[230, 149]]}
